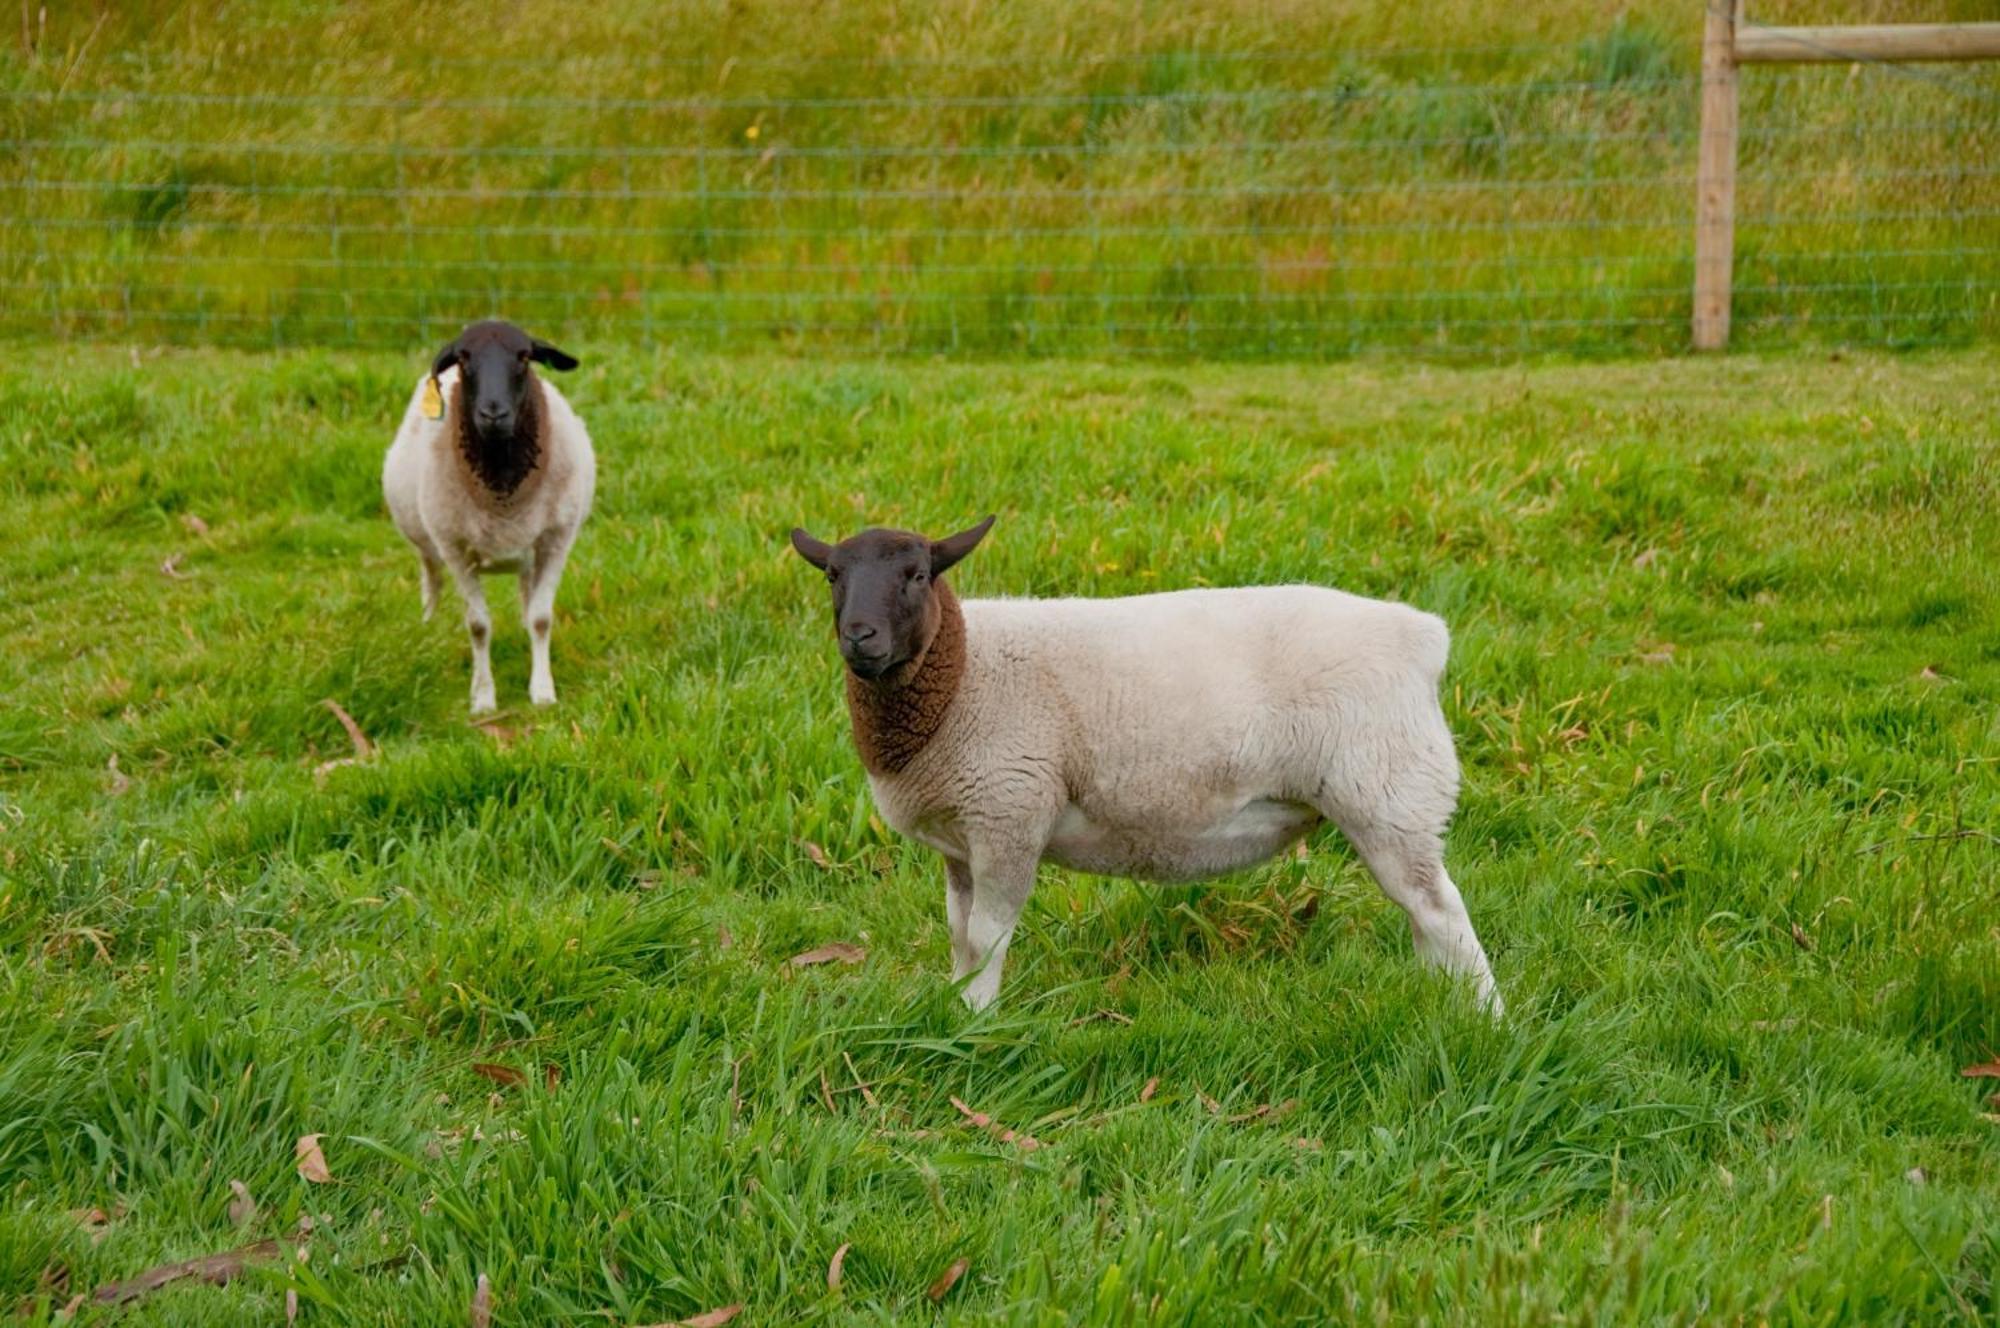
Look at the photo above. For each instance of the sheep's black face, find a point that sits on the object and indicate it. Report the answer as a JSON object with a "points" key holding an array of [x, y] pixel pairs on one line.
{"points": [[493, 359], [885, 608]]}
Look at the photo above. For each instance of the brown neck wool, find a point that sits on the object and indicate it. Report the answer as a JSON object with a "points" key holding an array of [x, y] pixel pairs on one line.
{"points": [[895, 717], [501, 468]]}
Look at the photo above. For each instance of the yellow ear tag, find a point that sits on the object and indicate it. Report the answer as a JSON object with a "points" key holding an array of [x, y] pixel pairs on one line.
{"points": [[433, 400]]}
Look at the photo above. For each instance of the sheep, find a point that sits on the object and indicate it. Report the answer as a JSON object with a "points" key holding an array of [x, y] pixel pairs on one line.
{"points": [[492, 471], [1165, 737]]}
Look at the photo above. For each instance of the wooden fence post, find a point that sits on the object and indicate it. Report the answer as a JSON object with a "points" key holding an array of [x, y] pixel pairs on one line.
{"points": [[1715, 176]]}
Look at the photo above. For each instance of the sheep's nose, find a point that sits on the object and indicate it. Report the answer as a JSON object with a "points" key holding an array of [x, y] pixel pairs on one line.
{"points": [[494, 414], [858, 634]]}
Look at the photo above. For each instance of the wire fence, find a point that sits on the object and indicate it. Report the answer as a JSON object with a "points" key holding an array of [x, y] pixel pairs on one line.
{"points": [[1507, 200]]}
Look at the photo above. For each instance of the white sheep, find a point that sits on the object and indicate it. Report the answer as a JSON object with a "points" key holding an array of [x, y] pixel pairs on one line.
{"points": [[1163, 737], [492, 471]]}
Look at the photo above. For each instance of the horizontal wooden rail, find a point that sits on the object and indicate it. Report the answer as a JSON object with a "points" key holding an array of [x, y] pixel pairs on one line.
{"points": [[1886, 41]]}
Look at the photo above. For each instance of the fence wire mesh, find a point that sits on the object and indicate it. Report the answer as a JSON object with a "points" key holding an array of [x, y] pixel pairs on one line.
{"points": [[1509, 199]]}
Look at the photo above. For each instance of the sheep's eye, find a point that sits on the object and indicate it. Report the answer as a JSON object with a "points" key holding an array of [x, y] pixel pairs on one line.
{"points": [[917, 577], [832, 575]]}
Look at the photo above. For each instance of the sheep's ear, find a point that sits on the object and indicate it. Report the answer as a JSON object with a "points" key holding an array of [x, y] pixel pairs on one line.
{"points": [[445, 358], [816, 552], [544, 353], [951, 548]]}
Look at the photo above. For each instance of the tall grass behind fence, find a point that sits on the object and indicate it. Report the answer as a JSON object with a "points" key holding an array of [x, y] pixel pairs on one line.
{"points": [[1266, 184]]}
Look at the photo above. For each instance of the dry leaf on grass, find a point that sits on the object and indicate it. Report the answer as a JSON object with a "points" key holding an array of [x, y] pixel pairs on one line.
{"points": [[1266, 1111], [948, 1279], [1152, 1087], [312, 1162], [96, 1221], [195, 525], [216, 1269], [120, 781], [51, 1282], [291, 1306], [482, 1303], [816, 853], [325, 768], [707, 1319], [503, 736], [363, 749], [243, 1208], [1024, 1142], [867, 1095], [832, 952], [504, 1075], [1988, 1070], [551, 1076], [835, 1269], [171, 568]]}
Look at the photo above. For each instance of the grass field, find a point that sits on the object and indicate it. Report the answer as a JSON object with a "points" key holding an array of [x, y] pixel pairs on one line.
{"points": [[1725, 679], [1242, 178]]}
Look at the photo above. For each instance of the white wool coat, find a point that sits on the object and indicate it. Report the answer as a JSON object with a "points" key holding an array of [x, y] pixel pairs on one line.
{"points": [[1174, 736], [441, 507]]}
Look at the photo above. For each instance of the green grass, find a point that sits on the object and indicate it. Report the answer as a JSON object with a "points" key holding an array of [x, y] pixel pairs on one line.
{"points": [[1725, 680], [1242, 178]]}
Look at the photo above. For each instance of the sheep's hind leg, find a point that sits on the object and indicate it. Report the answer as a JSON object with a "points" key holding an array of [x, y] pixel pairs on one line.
{"points": [[432, 575], [1392, 791], [1409, 866], [958, 916]]}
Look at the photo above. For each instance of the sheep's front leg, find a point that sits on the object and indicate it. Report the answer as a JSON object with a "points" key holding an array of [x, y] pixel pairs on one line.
{"points": [[478, 627], [1000, 885], [539, 580]]}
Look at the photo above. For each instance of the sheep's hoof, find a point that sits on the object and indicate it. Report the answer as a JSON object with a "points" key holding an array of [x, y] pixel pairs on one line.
{"points": [[483, 705], [542, 696]]}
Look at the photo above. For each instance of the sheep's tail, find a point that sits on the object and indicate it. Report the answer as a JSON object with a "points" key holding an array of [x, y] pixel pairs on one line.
{"points": [[1430, 644]]}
